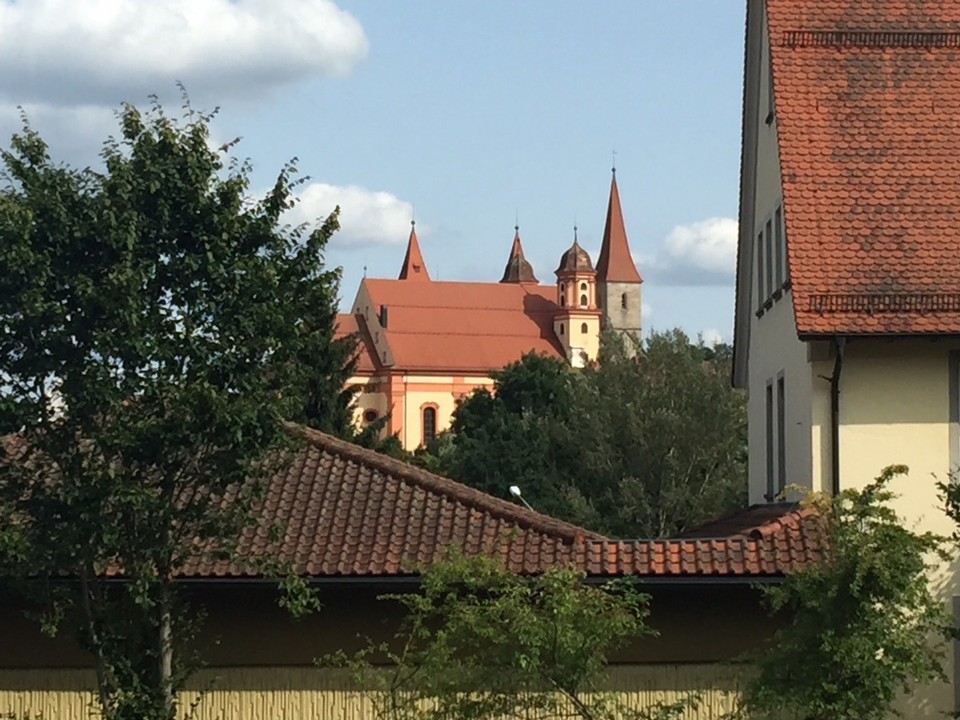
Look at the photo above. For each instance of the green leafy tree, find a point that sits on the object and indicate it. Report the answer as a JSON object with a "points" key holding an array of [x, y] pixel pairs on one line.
{"points": [[656, 442], [503, 438], [478, 641], [154, 322], [861, 626]]}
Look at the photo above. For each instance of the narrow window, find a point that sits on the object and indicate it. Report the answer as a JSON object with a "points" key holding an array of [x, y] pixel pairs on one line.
{"points": [[769, 253], [583, 329], [770, 487], [583, 287], [623, 301], [781, 437], [563, 301], [561, 328], [583, 301], [429, 424], [761, 288], [781, 247]]}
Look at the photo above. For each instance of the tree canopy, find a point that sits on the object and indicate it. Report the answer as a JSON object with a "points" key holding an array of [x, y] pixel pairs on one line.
{"points": [[157, 326], [862, 626], [647, 442]]}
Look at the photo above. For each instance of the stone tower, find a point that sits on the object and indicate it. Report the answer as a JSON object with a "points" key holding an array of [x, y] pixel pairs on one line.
{"points": [[618, 282]]}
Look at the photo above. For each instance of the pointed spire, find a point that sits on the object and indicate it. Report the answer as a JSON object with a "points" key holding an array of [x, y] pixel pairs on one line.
{"points": [[413, 266], [518, 270], [615, 263]]}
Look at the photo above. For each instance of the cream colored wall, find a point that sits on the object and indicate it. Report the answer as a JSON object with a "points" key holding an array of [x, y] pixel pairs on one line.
{"points": [[310, 693], [372, 396], [440, 391], [774, 347]]}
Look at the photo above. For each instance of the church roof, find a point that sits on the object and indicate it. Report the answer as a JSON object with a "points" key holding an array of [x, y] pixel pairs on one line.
{"points": [[576, 259], [414, 268], [615, 263], [368, 361], [459, 327], [867, 105], [518, 269]]}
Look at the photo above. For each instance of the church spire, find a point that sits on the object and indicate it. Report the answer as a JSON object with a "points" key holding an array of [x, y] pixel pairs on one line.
{"points": [[615, 263], [413, 266], [518, 270]]}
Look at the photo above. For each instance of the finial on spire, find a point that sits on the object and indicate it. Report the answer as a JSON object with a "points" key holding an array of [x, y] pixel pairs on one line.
{"points": [[575, 231], [517, 222], [364, 270], [614, 168]]}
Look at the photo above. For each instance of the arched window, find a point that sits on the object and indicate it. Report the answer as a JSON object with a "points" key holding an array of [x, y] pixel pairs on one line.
{"points": [[583, 287], [429, 424], [584, 329], [561, 328], [370, 415], [583, 301], [563, 301], [623, 301]]}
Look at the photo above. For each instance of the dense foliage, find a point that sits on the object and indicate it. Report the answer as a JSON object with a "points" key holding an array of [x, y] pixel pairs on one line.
{"points": [[862, 626], [157, 326], [478, 641], [646, 443]]}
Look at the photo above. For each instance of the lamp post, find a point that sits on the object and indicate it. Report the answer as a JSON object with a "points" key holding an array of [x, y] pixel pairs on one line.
{"points": [[515, 491]]}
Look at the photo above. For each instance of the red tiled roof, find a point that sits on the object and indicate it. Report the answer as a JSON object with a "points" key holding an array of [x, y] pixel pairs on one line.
{"points": [[414, 268], [350, 512], [368, 362], [867, 98], [615, 263], [458, 327]]}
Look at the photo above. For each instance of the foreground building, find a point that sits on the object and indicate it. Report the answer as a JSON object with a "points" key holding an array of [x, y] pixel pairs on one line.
{"points": [[847, 330], [357, 524], [423, 344]]}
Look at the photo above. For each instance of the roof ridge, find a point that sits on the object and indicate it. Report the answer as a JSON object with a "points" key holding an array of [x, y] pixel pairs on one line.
{"points": [[445, 486]]}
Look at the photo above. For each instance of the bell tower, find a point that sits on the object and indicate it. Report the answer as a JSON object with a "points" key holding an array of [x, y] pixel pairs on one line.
{"points": [[618, 281], [576, 322]]}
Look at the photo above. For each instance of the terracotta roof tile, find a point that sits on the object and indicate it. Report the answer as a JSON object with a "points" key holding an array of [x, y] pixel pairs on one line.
{"points": [[465, 327], [344, 511], [868, 117], [350, 512]]}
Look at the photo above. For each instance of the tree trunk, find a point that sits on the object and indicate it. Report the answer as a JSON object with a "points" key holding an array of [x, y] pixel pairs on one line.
{"points": [[165, 655]]}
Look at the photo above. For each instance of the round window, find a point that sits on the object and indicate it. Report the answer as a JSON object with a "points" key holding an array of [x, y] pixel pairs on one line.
{"points": [[370, 415]]}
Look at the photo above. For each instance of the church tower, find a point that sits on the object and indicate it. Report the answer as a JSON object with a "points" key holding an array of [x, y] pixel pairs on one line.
{"points": [[413, 266], [518, 269], [577, 321], [618, 282]]}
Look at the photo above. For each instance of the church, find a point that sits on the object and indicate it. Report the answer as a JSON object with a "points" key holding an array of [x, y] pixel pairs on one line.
{"points": [[422, 344]]}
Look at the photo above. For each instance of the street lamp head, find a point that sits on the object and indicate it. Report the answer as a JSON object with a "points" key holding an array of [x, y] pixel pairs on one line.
{"points": [[515, 490]]}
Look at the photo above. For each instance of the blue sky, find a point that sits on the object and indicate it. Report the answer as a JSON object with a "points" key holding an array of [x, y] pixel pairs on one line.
{"points": [[468, 113]]}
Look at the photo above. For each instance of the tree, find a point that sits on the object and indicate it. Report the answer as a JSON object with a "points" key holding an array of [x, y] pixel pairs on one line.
{"points": [[862, 625], [646, 443], [478, 641], [657, 440], [153, 324], [503, 438]]}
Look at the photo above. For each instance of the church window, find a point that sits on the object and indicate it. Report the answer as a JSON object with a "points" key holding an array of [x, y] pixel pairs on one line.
{"points": [[370, 415], [623, 300], [561, 328], [583, 287], [584, 329], [429, 424], [583, 301]]}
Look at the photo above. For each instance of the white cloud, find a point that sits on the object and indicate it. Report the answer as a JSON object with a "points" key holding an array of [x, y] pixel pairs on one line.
{"points": [[367, 217], [701, 253], [712, 336], [646, 312], [100, 52]]}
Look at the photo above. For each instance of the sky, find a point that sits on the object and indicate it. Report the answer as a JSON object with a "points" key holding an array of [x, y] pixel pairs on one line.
{"points": [[468, 115]]}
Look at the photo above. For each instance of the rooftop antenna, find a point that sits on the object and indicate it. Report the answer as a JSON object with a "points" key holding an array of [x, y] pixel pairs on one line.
{"points": [[515, 491]]}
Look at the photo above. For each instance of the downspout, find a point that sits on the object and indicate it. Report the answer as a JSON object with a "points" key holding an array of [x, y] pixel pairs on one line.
{"points": [[839, 344]]}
